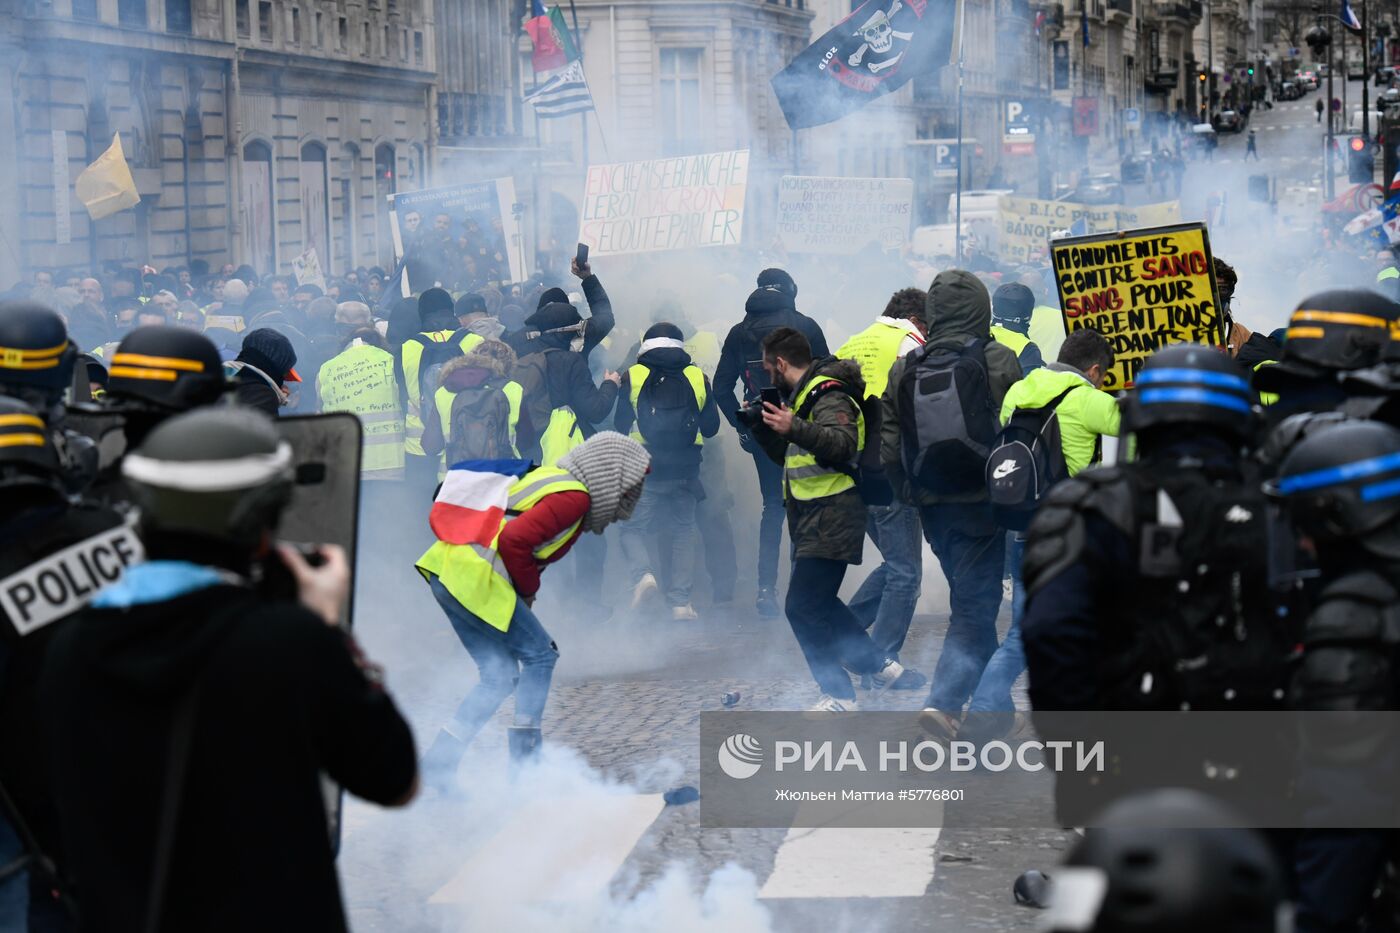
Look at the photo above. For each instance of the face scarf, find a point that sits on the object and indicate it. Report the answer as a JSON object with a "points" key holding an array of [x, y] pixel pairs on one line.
{"points": [[613, 467]]}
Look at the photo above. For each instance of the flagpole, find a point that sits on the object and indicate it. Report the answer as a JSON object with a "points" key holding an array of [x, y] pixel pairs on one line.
{"points": [[957, 218], [583, 117], [1365, 76]]}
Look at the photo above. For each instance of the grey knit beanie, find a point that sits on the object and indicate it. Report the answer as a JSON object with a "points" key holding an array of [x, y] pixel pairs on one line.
{"points": [[612, 466]]}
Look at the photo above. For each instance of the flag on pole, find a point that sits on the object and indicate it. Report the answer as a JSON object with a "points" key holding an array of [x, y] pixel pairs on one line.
{"points": [[872, 52], [1348, 17], [1084, 21], [106, 186], [553, 45], [565, 93]]}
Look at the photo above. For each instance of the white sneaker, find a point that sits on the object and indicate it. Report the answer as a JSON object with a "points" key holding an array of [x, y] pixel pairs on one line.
{"points": [[684, 613], [829, 704], [885, 676], [645, 589]]}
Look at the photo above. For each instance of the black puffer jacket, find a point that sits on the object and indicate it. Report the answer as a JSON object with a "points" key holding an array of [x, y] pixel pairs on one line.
{"points": [[741, 358]]}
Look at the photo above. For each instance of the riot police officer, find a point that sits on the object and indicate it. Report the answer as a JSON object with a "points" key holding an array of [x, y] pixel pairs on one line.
{"points": [[36, 367], [39, 588], [1182, 526], [1341, 488]]}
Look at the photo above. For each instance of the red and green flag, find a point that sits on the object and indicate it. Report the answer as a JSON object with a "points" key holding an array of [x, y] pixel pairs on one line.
{"points": [[554, 47]]}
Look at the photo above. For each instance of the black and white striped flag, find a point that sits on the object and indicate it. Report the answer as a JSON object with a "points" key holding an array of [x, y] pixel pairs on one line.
{"points": [[563, 94]]}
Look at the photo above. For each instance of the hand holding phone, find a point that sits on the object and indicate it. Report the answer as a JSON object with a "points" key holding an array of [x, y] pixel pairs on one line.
{"points": [[771, 396], [580, 263]]}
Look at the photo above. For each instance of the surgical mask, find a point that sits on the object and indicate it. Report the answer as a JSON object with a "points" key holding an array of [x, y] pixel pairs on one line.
{"points": [[487, 327]]}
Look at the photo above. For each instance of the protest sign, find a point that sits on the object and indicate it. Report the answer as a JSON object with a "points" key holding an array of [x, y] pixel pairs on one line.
{"points": [[462, 237], [843, 215], [661, 204], [1142, 289], [307, 268], [1025, 224]]}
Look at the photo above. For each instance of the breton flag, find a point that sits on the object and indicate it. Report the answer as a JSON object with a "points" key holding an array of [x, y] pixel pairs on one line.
{"points": [[563, 94], [1348, 17], [870, 53], [472, 500]]}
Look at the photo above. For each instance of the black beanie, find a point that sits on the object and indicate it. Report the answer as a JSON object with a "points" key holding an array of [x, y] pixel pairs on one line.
{"points": [[1013, 302], [552, 296], [432, 302], [777, 278], [471, 303], [663, 329]]}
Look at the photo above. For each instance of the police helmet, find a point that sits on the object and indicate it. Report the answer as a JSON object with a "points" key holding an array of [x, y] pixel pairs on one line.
{"points": [[27, 454], [1192, 384], [172, 368], [1338, 330], [34, 348], [1343, 484], [219, 473], [1167, 861]]}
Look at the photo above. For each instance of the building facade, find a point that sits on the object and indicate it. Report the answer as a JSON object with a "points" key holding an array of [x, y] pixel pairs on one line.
{"points": [[234, 117]]}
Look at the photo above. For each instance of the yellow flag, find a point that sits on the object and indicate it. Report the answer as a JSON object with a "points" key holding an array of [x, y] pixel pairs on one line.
{"points": [[106, 186]]}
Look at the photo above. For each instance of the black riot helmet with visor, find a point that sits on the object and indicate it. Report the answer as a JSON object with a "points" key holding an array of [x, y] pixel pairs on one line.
{"points": [[1192, 385], [29, 464], [36, 356]]}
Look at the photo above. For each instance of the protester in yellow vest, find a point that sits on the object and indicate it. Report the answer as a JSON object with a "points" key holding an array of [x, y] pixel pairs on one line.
{"points": [[488, 402], [885, 602], [360, 380], [816, 442], [437, 317], [1012, 306], [488, 591]]}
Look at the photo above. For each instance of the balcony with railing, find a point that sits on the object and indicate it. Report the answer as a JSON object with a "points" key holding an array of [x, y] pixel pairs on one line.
{"points": [[1120, 11]]}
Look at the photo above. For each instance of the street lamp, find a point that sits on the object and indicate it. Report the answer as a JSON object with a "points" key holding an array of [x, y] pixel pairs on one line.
{"points": [[1318, 39]]}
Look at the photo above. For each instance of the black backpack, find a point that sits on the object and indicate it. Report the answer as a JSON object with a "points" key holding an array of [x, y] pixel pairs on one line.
{"points": [[868, 470], [435, 356], [1027, 460], [668, 413], [947, 422]]}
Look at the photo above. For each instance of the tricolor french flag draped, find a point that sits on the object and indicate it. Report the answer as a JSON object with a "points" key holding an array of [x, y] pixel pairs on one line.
{"points": [[472, 500]]}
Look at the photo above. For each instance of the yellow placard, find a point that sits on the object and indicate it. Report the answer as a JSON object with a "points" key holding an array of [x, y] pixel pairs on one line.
{"points": [[1142, 289], [1025, 224]]}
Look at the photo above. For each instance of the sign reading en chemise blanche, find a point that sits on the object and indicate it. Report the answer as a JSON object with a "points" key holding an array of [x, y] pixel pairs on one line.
{"points": [[664, 204], [843, 215], [1142, 289]]}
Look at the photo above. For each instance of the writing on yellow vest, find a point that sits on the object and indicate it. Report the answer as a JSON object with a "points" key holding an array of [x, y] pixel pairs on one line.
{"points": [[876, 348], [412, 356], [443, 400], [475, 575], [803, 477], [360, 380], [637, 377]]}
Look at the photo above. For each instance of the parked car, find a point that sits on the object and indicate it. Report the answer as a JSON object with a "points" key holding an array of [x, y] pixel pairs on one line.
{"points": [[1356, 70], [1098, 189], [1203, 138], [975, 204], [1384, 75], [1133, 169], [1229, 121], [1310, 80], [1289, 90]]}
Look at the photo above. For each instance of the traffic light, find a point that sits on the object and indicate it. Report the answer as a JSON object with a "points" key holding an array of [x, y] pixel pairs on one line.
{"points": [[1361, 161], [1201, 77], [1251, 71]]}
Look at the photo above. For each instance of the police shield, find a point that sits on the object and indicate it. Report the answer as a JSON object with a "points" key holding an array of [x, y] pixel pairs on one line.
{"points": [[325, 504]]}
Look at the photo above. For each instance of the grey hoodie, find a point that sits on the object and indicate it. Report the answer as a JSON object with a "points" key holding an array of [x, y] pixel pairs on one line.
{"points": [[958, 309]]}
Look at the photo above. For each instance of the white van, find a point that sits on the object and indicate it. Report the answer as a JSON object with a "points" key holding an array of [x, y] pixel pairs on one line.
{"points": [[977, 204]]}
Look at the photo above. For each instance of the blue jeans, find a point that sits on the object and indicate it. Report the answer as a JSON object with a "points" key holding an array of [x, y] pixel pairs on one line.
{"points": [[520, 660], [665, 513], [885, 601], [971, 549], [993, 693], [770, 524]]}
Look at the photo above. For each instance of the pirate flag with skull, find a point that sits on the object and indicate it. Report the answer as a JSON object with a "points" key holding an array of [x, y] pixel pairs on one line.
{"points": [[874, 51]]}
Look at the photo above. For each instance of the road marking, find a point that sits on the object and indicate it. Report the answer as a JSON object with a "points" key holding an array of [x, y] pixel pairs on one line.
{"points": [[853, 862], [570, 847]]}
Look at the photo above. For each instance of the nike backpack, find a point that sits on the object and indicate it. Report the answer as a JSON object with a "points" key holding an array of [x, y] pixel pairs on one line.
{"points": [[1027, 460], [668, 415], [947, 422]]}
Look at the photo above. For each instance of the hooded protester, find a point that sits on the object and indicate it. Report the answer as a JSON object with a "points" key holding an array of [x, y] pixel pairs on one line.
{"points": [[666, 403], [476, 406], [554, 316], [261, 370], [595, 485], [959, 527], [1012, 305], [771, 306]]}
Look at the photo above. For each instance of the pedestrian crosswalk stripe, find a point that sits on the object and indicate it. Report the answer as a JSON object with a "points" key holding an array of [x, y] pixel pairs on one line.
{"points": [[853, 862]]}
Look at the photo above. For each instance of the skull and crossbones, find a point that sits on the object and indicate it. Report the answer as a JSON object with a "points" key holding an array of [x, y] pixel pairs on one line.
{"points": [[879, 35]]}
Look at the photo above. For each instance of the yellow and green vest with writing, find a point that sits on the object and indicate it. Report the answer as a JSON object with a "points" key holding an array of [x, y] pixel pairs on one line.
{"points": [[637, 377], [876, 348], [412, 355], [361, 380], [443, 400], [804, 478], [475, 575]]}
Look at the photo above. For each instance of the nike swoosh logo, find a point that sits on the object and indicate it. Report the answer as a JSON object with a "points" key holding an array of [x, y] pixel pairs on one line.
{"points": [[1005, 469]]}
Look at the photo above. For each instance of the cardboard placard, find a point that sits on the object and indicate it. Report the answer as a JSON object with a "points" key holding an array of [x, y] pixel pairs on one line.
{"points": [[842, 216], [664, 204], [1142, 289], [1024, 225], [463, 237]]}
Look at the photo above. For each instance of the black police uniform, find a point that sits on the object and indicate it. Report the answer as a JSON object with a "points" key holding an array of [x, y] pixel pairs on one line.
{"points": [[1183, 527]]}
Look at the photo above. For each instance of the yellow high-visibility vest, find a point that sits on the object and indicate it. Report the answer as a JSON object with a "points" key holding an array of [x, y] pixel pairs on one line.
{"points": [[1010, 339], [443, 400], [704, 350], [876, 348], [562, 435], [803, 477], [412, 354], [361, 380], [637, 376], [475, 575]]}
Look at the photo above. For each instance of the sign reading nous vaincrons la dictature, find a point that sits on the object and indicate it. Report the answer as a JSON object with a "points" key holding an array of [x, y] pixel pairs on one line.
{"points": [[843, 215], [662, 204]]}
